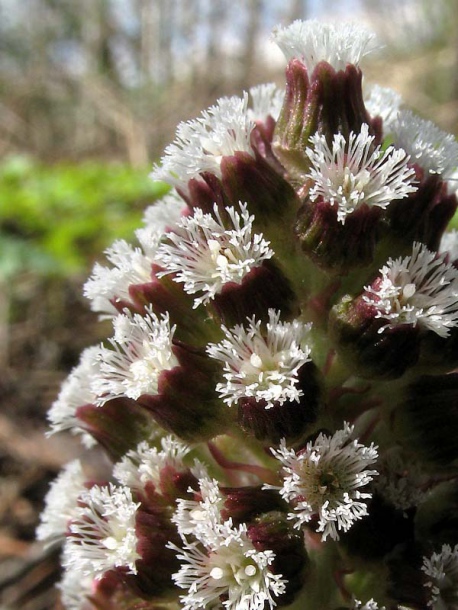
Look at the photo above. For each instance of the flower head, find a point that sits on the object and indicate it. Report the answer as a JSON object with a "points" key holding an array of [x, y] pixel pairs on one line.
{"points": [[75, 589], [201, 516], [76, 391], [204, 255], [160, 216], [267, 100], [442, 570], [145, 463], [312, 42], [221, 565], [262, 363], [102, 532], [354, 173], [129, 266], [142, 349], [325, 478], [61, 502], [370, 605], [385, 103], [433, 149], [419, 289], [401, 480], [201, 144]]}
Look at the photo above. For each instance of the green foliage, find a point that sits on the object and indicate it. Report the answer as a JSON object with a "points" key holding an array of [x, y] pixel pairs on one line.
{"points": [[56, 219]]}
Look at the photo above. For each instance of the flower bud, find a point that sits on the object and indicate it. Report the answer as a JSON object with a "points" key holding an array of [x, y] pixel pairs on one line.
{"points": [[422, 216], [325, 101], [157, 562], [192, 412], [118, 425], [368, 352], [426, 419], [337, 248], [269, 196], [273, 531], [263, 288]]}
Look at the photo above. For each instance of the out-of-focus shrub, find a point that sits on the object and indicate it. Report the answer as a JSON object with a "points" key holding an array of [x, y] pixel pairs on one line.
{"points": [[55, 219]]}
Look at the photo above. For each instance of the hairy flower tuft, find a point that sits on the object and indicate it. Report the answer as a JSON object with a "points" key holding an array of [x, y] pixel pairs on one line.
{"points": [[262, 363], [267, 100], [144, 464], [75, 589], [385, 103], [130, 265], [354, 173], [442, 570], [163, 214], [200, 144], [312, 42], [220, 564], [61, 502], [204, 255], [324, 479], [75, 392], [142, 349], [433, 149], [419, 289], [102, 532]]}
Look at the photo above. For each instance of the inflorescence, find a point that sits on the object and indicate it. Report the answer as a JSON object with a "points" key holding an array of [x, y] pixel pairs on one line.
{"points": [[275, 411]]}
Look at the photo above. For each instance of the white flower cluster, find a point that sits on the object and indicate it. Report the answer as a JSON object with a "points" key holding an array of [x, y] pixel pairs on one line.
{"points": [[442, 572], [220, 563], [145, 463], [142, 349], [419, 289], [325, 478], [200, 145], [356, 173], [433, 149], [102, 532], [267, 101], [76, 391], [204, 254], [317, 488], [61, 502], [263, 365], [313, 41]]}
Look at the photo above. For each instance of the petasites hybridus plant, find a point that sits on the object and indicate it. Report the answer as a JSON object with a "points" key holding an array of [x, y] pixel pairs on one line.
{"points": [[278, 400]]}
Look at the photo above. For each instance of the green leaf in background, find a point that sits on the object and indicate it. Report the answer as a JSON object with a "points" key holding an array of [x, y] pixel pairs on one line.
{"points": [[57, 219]]}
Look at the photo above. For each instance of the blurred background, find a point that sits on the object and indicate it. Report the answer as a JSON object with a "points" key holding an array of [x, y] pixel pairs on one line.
{"points": [[90, 93]]}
